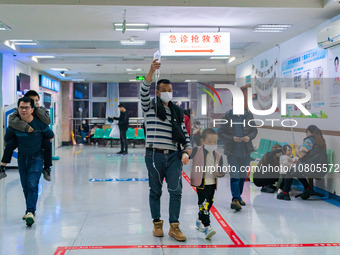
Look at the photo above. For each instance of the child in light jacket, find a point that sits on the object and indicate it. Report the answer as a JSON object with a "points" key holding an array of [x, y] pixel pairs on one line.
{"points": [[207, 163]]}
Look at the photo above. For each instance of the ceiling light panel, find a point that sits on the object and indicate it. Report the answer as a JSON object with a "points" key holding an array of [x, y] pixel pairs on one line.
{"points": [[60, 69], [132, 42], [207, 69], [271, 28], [131, 26]]}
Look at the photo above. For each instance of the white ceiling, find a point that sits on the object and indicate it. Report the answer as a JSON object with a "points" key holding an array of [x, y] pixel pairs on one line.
{"points": [[80, 33]]}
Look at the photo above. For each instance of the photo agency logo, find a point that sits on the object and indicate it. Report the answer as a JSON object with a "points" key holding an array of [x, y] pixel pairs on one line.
{"points": [[238, 106], [209, 93]]}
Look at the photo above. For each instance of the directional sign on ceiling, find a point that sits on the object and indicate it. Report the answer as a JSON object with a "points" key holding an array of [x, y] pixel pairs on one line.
{"points": [[195, 44]]}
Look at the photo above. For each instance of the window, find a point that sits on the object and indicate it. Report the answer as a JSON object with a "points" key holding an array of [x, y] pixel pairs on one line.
{"points": [[180, 89], [99, 110], [128, 89], [131, 108], [99, 89], [80, 109], [81, 91]]}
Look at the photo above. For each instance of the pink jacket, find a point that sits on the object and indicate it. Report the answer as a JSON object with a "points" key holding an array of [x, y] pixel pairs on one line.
{"points": [[198, 162]]}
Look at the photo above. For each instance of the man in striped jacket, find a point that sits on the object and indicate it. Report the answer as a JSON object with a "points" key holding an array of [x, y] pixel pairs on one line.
{"points": [[167, 149]]}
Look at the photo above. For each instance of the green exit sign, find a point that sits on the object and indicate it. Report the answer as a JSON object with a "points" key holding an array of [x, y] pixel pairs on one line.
{"points": [[140, 78]]}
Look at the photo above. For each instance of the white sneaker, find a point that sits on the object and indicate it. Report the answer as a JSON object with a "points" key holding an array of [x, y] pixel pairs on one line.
{"points": [[209, 232], [29, 219], [199, 226]]}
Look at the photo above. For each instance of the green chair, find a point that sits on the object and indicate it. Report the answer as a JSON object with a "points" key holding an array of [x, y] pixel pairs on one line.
{"points": [[255, 154], [130, 134], [263, 149], [266, 147], [98, 133], [107, 133]]}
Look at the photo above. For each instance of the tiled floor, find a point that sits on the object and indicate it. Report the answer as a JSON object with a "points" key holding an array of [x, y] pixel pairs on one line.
{"points": [[74, 212]]}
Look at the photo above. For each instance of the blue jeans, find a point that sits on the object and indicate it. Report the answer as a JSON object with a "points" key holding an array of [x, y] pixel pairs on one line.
{"points": [[238, 177], [168, 166], [83, 136], [30, 168]]}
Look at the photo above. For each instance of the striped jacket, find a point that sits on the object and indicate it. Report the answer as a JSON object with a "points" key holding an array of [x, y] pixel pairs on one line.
{"points": [[158, 132]]}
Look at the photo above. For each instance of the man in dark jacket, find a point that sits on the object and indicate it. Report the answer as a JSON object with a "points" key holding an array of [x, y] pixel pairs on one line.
{"points": [[30, 154], [237, 136], [123, 124]]}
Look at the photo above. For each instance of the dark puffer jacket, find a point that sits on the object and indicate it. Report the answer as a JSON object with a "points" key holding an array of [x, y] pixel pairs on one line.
{"points": [[226, 133]]}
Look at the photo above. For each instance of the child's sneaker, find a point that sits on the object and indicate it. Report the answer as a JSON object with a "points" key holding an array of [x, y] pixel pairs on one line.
{"points": [[29, 219], [209, 232], [2, 172], [199, 226]]}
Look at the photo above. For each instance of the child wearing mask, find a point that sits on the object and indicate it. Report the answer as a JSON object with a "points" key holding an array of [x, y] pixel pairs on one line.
{"points": [[206, 162]]}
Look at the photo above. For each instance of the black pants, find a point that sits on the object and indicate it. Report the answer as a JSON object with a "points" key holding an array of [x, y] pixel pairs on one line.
{"points": [[13, 144], [205, 202], [289, 180], [123, 141]]}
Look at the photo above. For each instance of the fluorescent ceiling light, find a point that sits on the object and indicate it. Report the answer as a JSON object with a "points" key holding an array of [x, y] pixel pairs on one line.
{"points": [[25, 43], [219, 57], [78, 80], [133, 80], [134, 69], [132, 42], [207, 69], [191, 81], [267, 31], [131, 26], [60, 69], [271, 28], [44, 56], [21, 40], [274, 26]]}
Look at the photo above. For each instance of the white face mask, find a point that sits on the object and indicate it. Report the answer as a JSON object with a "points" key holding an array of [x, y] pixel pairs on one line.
{"points": [[84, 122], [166, 96], [210, 148]]}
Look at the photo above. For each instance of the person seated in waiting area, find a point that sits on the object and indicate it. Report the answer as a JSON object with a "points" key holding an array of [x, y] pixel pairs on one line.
{"points": [[267, 179], [312, 155], [286, 163], [92, 131], [84, 131]]}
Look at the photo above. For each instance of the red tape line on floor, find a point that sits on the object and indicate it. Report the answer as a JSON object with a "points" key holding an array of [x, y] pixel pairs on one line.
{"points": [[236, 240], [230, 232], [62, 250]]}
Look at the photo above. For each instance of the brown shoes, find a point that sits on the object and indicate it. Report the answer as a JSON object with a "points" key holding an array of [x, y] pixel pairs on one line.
{"points": [[158, 229], [176, 233], [235, 205]]}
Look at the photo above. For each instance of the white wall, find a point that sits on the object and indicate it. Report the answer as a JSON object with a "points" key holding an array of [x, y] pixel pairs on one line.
{"points": [[294, 46], [10, 71]]}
